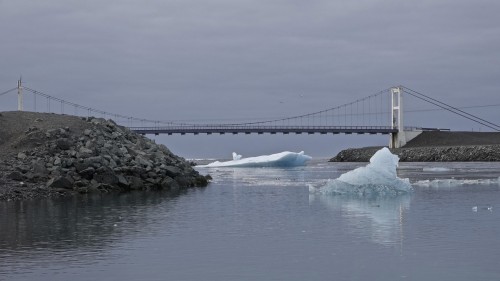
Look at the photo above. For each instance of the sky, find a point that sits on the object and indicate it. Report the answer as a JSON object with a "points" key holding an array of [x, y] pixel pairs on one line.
{"points": [[235, 60]]}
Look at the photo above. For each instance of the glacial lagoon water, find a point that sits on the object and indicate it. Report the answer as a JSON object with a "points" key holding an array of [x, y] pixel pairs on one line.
{"points": [[264, 224]]}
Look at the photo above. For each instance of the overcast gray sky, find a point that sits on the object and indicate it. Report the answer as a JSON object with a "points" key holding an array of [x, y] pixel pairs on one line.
{"points": [[238, 59]]}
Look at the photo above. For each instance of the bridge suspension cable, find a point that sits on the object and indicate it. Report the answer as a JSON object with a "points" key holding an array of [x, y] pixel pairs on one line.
{"points": [[8, 91], [361, 107], [460, 107], [450, 108], [87, 109], [371, 111]]}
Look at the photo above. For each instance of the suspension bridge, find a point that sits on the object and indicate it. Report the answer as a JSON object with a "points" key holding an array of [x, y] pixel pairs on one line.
{"points": [[379, 113]]}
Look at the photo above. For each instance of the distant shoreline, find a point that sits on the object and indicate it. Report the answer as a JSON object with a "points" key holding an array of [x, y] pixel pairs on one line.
{"points": [[436, 147]]}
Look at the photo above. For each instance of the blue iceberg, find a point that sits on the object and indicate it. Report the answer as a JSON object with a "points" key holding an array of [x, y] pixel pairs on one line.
{"points": [[282, 159], [378, 178]]}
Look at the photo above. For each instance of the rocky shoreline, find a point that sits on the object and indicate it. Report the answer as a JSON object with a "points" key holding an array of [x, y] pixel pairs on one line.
{"points": [[479, 153], [436, 146], [51, 155]]}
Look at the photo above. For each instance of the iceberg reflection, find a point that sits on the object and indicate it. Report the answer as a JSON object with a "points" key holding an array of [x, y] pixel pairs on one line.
{"points": [[380, 220]]}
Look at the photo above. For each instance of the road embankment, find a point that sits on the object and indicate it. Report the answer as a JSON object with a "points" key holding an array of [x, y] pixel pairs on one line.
{"points": [[436, 147]]}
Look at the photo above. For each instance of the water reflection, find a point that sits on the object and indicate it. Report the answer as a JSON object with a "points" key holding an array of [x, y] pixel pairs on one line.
{"points": [[80, 228], [266, 176], [380, 220]]}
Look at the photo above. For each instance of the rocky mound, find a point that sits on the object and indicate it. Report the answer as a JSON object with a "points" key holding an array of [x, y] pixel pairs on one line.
{"points": [[44, 154]]}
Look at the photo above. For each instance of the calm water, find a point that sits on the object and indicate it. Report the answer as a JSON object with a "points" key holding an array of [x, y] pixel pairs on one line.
{"points": [[262, 224]]}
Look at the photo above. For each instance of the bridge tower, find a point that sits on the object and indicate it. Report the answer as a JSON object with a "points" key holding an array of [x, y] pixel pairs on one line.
{"points": [[19, 95], [398, 139]]}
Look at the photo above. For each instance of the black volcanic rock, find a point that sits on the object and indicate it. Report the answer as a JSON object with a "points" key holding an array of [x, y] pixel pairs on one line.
{"points": [[436, 147], [44, 155]]}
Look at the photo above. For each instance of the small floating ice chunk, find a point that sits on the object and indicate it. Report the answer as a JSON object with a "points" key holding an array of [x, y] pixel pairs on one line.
{"points": [[436, 169], [456, 182], [486, 208], [379, 177], [282, 159]]}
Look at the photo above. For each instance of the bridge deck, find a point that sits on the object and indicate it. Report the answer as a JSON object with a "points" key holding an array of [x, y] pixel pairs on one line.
{"points": [[264, 129]]}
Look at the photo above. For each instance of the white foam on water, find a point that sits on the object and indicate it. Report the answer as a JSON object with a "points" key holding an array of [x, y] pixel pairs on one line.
{"points": [[282, 159], [379, 177]]}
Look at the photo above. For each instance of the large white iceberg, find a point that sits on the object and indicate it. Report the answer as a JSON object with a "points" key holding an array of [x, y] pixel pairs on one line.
{"points": [[282, 159], [377, 178]]}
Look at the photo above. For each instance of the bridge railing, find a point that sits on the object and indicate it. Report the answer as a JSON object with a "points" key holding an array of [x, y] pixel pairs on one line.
{"points": [[271, 129], [230, 127]]}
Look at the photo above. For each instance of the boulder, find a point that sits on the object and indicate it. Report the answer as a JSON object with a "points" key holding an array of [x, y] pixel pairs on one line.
{"points": [[172, 171], [136, 183], [142, 161], [122, 181], [60, 182], [169, 183], [17, 176], [106, 176], [39, 167], [63, 144], [85, 152], [87, 173]]}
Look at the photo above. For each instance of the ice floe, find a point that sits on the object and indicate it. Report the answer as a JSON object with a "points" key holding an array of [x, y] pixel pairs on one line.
{"points": [[282, 159], [378, 178], [456, 182], [436, 169]]}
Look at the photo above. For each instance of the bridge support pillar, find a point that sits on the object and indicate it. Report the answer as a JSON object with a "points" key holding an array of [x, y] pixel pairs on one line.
{"points": [[19, 95], [398, 138]]}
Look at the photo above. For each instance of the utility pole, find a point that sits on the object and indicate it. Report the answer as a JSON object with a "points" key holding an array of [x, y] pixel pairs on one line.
{"points": [[20, 94]]}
